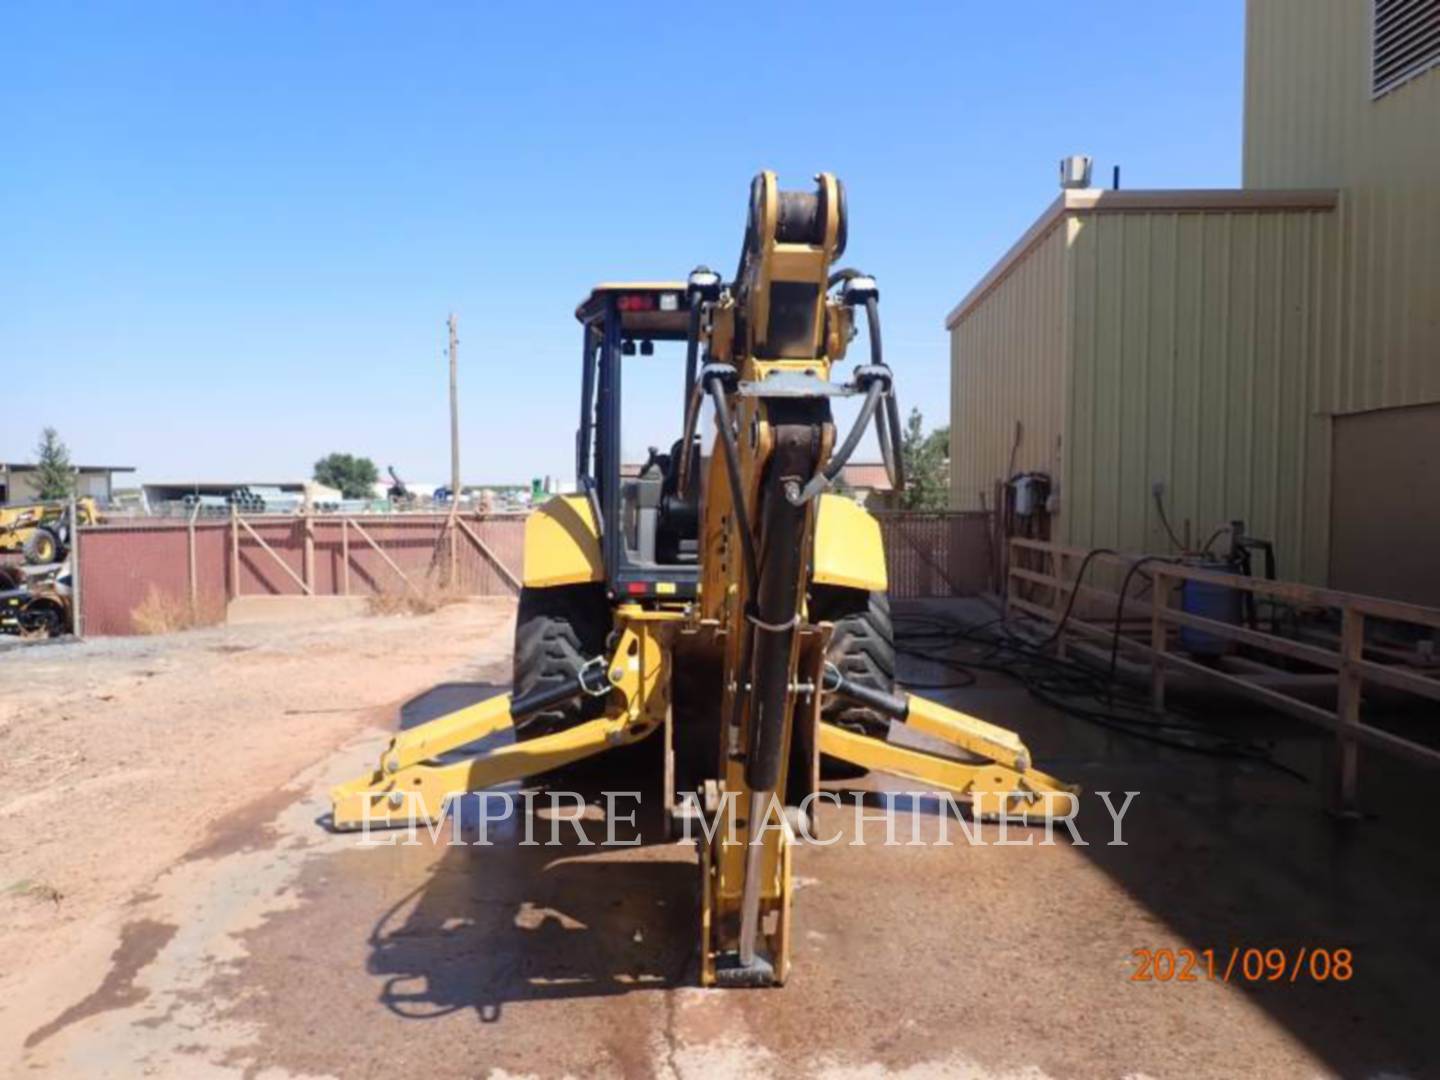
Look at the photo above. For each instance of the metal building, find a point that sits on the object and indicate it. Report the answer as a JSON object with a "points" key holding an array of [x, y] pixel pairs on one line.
{"points": [[19, 484], [1346, 93], [1226, 348]]}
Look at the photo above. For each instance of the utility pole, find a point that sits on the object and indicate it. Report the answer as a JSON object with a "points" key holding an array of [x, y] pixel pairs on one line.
{"points": [[454, 418]]}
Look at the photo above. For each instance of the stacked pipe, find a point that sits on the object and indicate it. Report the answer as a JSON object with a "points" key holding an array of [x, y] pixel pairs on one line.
{"points": [[246, 501], [263, 500]]}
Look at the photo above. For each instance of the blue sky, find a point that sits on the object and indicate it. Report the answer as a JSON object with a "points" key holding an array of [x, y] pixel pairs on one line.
{"points": [[230, 232]]}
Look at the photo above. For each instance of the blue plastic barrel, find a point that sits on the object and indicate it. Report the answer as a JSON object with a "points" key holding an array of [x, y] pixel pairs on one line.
{"points": [[1218, 602]]}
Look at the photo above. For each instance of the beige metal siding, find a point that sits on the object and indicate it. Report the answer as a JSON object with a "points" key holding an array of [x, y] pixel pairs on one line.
{"points": [[22, 488], [1195, 342], [95, 485], [1384, 529], [1007, 359], [1310, 120]]}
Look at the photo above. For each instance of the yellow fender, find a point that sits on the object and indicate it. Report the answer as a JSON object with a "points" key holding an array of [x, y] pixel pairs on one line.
{"points": [[848, 547], [562, 544]]}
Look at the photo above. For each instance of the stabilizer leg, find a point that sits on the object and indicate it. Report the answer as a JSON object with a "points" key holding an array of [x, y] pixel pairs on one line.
{"points": [[967, 732], [420, 792], [998, 778], [449, 732], [411, 786]]}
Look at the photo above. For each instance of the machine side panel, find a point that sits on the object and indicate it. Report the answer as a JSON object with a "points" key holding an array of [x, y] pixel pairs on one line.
{"points": [[848, 547], [562, 544]]}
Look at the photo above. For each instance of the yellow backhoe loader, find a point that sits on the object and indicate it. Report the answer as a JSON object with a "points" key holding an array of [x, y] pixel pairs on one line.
{"points": [[722, 600]]}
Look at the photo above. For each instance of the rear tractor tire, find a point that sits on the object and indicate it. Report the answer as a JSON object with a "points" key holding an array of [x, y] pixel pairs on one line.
{"points": [[557, 630], [862, 647]]}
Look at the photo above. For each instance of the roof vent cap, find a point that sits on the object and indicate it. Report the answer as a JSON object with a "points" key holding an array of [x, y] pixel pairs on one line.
{"points": [[1075, 171]]}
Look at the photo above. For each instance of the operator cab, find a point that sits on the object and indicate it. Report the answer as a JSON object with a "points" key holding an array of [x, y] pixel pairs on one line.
{"points": [[649, 535]]}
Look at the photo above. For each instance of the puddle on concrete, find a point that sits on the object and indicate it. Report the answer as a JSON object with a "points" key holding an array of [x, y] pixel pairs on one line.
{"points": [[140, 942]]}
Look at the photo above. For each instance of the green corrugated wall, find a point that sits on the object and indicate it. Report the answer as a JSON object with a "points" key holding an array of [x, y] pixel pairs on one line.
{"points": [[1195, 340]]}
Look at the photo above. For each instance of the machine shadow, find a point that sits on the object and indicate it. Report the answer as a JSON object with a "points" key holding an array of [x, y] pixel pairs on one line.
{"points": [[1252, 861], [1229, 854], [555, 914]]}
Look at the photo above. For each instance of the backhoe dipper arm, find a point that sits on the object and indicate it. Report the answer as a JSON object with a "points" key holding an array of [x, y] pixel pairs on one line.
{"points": [[772, 339]]}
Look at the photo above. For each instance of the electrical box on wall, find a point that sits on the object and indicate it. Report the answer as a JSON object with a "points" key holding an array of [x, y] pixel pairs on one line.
{"points": [[1032, 494]]}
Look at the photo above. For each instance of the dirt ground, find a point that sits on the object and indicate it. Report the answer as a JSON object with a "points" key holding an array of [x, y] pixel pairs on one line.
{"points": [[171, 905]]}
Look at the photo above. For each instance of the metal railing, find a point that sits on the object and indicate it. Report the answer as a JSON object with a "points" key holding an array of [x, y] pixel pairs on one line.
{"points": [[1040, 568]]}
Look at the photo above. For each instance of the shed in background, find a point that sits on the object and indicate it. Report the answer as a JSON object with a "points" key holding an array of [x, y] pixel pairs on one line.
{"points": [[18, 482], [1138, 344]]}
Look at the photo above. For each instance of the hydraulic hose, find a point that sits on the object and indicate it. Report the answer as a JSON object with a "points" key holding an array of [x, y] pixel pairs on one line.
{"points": [[737, 489], [589, 679], [692, 356], [838, 459], [887, 449], [887, 429], [687, 442], [841, 456], [692, 397], [886, 413], [891, 706], [872, 319]]}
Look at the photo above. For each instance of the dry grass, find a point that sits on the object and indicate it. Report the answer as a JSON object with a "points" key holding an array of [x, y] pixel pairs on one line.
{"points": [[160, 613], [36, 890], [423, 600]]}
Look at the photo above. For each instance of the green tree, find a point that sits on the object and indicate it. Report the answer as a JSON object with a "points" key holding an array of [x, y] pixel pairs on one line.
{"points": [[927, 465], [352, 476], [54, 475]]}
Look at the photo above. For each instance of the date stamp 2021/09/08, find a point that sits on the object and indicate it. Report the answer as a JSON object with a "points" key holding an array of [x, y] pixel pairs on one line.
{"points": [[1242, 963]]}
